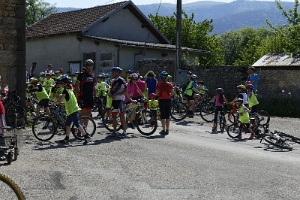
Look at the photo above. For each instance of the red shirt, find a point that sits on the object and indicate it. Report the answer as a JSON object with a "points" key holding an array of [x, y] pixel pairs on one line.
{"points": [[2, 110], [164, 90]]}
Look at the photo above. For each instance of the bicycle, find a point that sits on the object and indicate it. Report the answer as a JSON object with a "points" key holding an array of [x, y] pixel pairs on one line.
{"points": [[235, 129], [45, 127], [12, 106], [143, 119], [9, 189], [280, 140], [222, 122]]}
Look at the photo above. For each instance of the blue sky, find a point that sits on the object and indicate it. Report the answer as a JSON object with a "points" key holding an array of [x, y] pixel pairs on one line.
{"points": [[92, 3]]}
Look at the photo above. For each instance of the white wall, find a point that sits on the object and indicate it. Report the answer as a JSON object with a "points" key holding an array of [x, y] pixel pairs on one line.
{"points": [[123, 25]]}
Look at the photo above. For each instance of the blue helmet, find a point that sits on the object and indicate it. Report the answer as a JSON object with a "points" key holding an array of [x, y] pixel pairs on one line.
{"points": [[64, 79], [163, 74]]}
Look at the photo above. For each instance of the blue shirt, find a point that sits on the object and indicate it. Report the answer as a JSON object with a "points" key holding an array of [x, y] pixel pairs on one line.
{"points": [[151, 85], [255, 78]]}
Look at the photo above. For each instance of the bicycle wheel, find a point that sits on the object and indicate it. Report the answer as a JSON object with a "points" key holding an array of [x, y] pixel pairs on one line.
{"points": [[259, 131], [43, 128], [10, 115], [207, 112], [233, 130], [144, 122], [178, 111], [88, 125], [9, 189], [282, 144], [107, 121]]}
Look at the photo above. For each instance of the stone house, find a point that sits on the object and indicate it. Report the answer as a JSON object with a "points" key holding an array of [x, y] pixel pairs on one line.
{"points": [[112, 35]]}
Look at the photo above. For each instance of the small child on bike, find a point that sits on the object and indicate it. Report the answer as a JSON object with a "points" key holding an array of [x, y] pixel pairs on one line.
{"points": [[153, 106], [72, 109], [41, 95], [244, 117], [219, 100]]}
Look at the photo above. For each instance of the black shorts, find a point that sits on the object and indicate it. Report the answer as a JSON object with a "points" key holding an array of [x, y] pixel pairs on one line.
{"points": [[117, 106], [44, 103], [87, 103]]}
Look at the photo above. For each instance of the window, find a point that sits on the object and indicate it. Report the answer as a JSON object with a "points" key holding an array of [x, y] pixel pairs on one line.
{"points": [[106, 60], [74, 67]]}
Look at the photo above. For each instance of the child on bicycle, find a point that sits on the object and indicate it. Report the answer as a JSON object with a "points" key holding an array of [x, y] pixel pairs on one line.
{"points": [[219, 100], [244, 117], [72, 109], [153, 105], [41, 95], [252, 99]]}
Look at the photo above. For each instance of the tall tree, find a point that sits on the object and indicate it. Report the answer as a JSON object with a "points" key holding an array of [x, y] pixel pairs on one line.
{"points": [[194, 35], [37, 10]]}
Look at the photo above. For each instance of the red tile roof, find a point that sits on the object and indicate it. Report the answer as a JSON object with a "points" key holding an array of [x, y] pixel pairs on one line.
{"points": [[70, 22]]}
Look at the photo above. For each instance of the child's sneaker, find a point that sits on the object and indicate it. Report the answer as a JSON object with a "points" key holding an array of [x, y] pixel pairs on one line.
{"points": [[87, 139], [65, 142], [163, 132], [252, 136]]}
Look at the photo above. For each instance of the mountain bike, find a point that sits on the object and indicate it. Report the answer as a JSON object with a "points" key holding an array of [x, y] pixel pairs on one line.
{"points": [[12, 106], [143, 119], [222, 122], [9, 189], [280, 140], [45, 127], [178, 110]]}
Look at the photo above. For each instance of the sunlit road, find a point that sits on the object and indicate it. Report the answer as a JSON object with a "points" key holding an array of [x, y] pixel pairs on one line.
{"points": [[189, 163]]}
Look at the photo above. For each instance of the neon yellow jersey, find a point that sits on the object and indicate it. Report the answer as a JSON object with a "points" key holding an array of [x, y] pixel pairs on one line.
{"points": [[71, 105], [42, 94], [252, 100], [153, 104], [101, 89], [108, 100], [243, 118]]}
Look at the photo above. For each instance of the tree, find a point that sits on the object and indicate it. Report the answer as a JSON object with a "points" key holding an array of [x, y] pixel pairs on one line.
{"points": [[194, 35], [37, 10]]}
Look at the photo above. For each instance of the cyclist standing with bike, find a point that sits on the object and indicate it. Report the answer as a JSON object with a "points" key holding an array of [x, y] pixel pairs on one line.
{"points": [[189, 92], [219, 100], [244, 117], [72, 109], [164, 91]]}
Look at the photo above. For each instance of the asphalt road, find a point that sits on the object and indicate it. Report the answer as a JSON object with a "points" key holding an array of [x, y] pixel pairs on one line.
{"points": [[189, 163]]}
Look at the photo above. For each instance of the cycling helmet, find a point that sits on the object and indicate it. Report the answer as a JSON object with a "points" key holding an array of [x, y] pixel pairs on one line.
{"points": [[89, 62], [239, 100], [65, 79], [116, 69], [249, 86], [77, 72], [241, 86], [33, 80], [152, 95], [129, 72], [220, 90], [194, 76], [169, 77], [134, 76], [163, 74], [201, 82], [42, 73], [57, 72]]}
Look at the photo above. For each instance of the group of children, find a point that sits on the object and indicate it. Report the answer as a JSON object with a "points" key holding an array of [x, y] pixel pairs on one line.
{"points": [[245, 102]]}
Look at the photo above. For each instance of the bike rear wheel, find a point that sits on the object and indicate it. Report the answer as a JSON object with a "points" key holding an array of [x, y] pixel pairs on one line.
{"points": [[88, 124], [145, 123], [290, 137], [107, 121], [222, 124], [263, 116], [43, 128], [178, 111], [9, 189], [207, 112]]}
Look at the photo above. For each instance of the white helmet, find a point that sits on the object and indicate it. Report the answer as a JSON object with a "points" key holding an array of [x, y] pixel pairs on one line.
{"points": [[134, 76]]}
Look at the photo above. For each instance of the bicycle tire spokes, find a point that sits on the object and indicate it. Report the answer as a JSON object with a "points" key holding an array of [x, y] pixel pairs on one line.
{"points": [[43, 128], [145, 124]]}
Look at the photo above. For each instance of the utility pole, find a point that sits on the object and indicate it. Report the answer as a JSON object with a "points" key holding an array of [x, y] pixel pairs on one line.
{"points": [[178, 37]]}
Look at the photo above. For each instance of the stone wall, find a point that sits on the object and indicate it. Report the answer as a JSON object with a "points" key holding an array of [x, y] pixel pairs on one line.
{"points": [[274, 82], [12, 44]]}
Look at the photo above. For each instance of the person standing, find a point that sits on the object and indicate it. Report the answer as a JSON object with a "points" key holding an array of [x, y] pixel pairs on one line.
{"points": [[85, 89], [117, 93], [164, 91], [49, 69], [252, 78], [31, 73]]}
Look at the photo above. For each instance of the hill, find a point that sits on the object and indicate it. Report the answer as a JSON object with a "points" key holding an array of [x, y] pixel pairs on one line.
{"points": [[226, 16]]}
